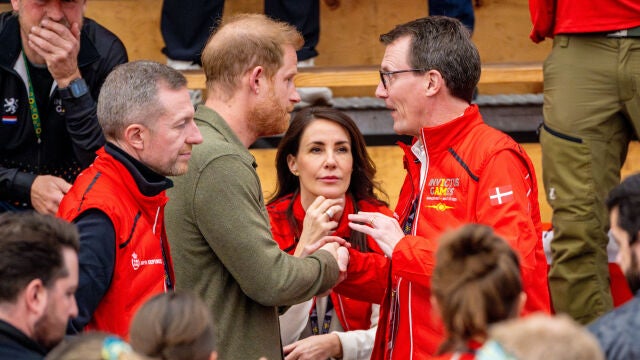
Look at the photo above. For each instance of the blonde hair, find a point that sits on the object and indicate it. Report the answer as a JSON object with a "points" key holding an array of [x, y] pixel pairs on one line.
{"points": [[544, 337], [93, 346], [241, 43], [173, 326], [476, 281]]}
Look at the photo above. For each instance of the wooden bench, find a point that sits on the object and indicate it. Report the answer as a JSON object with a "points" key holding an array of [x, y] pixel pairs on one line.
{"points": [[360, 76]]}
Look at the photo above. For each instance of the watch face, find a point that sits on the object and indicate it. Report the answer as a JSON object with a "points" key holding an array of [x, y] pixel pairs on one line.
{"points": [[78, 87]]}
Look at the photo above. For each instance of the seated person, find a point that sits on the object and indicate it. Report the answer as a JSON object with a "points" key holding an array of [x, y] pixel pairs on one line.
{"points": [[324, 174]]}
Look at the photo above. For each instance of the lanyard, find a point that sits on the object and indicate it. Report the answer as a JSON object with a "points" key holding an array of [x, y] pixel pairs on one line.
{"points": [[327, 318], [326, 323], [35, 115]]}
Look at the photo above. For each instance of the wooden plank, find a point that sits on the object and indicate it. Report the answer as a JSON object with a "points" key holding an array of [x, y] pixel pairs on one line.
{"points": [[388, 160], [358, 76]]}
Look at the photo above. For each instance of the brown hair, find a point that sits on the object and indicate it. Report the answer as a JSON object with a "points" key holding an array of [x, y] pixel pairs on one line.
{"points": [[173, 326], [444, 44], [476, 281], [362, 185], [243, 42], [31, 248]]}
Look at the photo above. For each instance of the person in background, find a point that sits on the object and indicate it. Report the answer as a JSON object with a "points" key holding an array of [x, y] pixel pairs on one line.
{"points": [[459, 171], [95, 345], [52, 65], [38, 276], [476, 283], [217, 222], [118, 203], [323, 157], [458, 9], [615, 329], [540, 337], [174, 326], [591, 111]]}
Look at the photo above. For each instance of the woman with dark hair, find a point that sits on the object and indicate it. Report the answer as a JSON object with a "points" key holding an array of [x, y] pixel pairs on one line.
{"points": [[324, 174], [475, 283]]}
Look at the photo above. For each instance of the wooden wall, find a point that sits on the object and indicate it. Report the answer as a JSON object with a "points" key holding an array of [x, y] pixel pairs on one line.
{"points": [[388, 160], [349, 34]]}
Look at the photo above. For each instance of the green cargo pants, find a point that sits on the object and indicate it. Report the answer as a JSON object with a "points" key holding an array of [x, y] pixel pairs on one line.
{"points": [[591, 109]]}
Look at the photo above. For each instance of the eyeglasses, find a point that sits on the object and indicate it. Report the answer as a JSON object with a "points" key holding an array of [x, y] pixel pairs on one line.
{"points": [[389, 73]]}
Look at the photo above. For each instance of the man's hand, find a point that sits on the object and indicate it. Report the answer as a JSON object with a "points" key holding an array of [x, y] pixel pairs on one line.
{"points": [[341, 254], [58, 45], [314, 347], [385, 230], [47, 192], [320, 244]]}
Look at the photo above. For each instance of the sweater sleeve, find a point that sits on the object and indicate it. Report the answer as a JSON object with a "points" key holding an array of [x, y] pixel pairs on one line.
{"points": [[293, 322], [358, 344], [229, 191]]}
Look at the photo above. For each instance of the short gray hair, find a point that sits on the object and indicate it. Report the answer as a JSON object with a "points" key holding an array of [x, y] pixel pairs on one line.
{"points": [[129, 95]]}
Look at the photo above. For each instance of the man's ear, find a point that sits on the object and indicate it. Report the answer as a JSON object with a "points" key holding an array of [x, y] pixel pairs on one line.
{"points": [[256, 79], [35, 296], [134, 135], [433, 82], [15, 4]]}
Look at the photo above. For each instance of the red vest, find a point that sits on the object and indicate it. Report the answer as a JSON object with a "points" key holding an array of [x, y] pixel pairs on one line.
{"points": [[353, 314], [138, 220]]}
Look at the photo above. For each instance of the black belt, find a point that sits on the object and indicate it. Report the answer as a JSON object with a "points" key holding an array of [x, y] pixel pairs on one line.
{"points": [[632, 32]]}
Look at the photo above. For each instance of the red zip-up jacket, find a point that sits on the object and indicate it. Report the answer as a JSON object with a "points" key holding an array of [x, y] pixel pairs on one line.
{"points": [[476, 174], [353, 314]]}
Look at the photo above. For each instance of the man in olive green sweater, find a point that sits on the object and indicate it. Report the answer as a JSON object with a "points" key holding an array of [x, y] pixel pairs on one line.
{"points": [[216, 220]]}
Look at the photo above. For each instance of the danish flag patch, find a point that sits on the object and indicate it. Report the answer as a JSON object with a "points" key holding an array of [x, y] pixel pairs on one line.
{"points": [[501, 195]]}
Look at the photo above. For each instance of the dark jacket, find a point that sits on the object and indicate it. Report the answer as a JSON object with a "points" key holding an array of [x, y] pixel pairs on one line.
{"points": [[70, 130], [617, 331], [15, 345]]}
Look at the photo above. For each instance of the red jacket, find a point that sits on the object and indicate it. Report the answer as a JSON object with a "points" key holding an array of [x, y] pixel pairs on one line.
{"points": [[552, 17], [353, 314], [476, 174], [138, 221]]}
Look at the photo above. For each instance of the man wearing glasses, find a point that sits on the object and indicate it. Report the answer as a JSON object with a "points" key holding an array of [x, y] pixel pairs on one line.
{"points": [[459, 170]]}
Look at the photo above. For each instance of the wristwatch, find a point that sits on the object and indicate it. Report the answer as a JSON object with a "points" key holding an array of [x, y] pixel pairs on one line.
{"points": [[76, 89]]}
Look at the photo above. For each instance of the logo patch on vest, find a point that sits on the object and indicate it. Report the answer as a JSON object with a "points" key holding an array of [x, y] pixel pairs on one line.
{"points": [[135, 262]]}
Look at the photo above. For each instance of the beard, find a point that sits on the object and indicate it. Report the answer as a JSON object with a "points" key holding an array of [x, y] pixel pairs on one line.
{"points": [[269, 117], [47, 333], [633, 274]]}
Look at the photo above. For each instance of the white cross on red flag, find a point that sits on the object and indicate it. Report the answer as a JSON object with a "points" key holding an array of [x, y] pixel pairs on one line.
{"points": [[501, 195]]}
